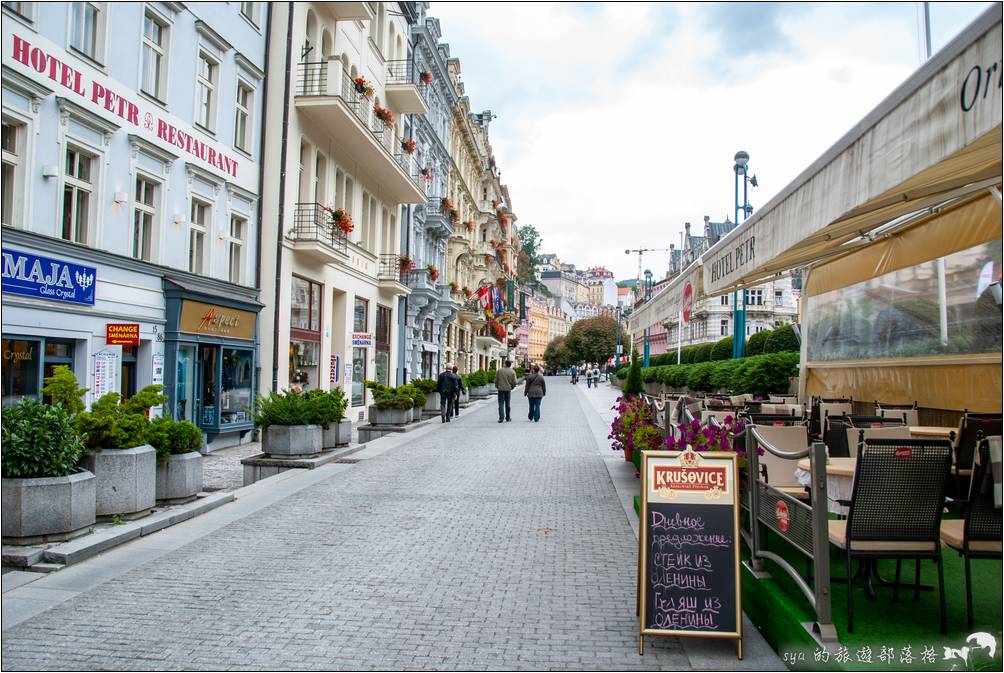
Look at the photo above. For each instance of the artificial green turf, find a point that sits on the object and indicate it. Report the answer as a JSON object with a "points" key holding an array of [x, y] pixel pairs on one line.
{"points": [[778, 608]]}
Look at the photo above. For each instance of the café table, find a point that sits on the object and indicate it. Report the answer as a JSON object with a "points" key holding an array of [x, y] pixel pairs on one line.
{"points": [[839, 481]]}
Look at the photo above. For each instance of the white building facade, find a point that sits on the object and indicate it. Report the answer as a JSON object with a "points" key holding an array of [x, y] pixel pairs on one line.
{"points": [[131, 157]]}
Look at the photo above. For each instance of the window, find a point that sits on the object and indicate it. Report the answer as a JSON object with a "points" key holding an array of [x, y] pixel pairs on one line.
{"points": [[198, 225], [13, 167], [360, 315], [305, 333], [358, 377], [238, 229], [725, 300], [382, 340], [725, 328], [305, 311], [242, 120], [205, 89], [778, 298], [26, 10], [249, 10], [236, 394], [154, 56], [77, 202], [754, 297], [427, 330], [144, 219], [86, 28], [21, 368]]}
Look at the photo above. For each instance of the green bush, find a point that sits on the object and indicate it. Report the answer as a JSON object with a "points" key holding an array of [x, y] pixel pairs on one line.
{"points": [[623, 372], [39, 440], [722, 350], [633, 385], [723, 377], [416, 395], [520, 372], [325, 406], [768, 373], [171, 437], [650, 374], [426, 385], [702, 353], [286, 408], [114, 423], [756, 342], [699, 376], [782, 340], [480, 378], [393, 398], [62, 388], [759, 375]]}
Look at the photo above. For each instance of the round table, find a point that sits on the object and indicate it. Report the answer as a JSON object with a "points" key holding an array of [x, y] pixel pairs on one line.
{"points": [[839, 481]]}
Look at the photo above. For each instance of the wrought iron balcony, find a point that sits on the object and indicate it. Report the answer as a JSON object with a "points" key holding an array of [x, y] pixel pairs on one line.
{"points": [[313, 226], [436, 221], [390, 269], [402, 87]]}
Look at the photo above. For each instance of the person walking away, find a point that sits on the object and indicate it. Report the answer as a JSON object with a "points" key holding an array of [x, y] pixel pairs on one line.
{"points": [[460, 389], [534, 389], [589, 376], [505, 381], [446, 384], [575, 373], [596, 376]]}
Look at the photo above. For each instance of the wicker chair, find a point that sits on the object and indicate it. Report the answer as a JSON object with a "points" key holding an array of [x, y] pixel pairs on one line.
{"points": [[978, 533], [895, 511]]}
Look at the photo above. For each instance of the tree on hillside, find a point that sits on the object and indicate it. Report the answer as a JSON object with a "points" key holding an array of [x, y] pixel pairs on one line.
{"points": [[556, 355], [593, 339]]}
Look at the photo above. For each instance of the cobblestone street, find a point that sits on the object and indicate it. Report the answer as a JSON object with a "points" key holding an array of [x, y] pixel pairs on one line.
{"points": [[474, 546]]}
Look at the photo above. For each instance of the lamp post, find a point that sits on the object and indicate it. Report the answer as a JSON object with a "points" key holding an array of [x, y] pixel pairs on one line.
{"points": [[648, 296], [741, 169]]}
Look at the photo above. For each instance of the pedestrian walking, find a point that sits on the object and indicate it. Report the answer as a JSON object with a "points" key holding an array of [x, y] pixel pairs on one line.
{"points": [[459, 380], [534, 389], [446, 384], [596, 376], [589, 376], [505, 381], [575, 373]]}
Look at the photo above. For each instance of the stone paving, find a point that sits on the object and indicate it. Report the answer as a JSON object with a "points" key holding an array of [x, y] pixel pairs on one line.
{"points": [[477, 546]]}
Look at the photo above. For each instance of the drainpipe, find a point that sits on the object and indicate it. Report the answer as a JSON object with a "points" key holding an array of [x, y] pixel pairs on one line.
{"points": [[282, 194], [261, 155]]}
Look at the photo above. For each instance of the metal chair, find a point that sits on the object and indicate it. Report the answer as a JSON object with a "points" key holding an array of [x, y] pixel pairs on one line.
{"points": [[895, 510], [856, 436], [972, 429], [907, 412], [978, 533], [778, 472], [863, 421], [776, 420]]}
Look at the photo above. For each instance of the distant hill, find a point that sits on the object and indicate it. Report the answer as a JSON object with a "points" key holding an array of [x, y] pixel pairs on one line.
{"points": [[631, 282]]}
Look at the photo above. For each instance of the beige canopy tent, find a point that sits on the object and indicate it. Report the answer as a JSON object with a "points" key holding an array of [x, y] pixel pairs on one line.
{"points": [[898, 227]]}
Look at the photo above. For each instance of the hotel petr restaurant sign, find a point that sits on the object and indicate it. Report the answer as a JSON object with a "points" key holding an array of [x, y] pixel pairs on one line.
{"points": [[35, 57]]}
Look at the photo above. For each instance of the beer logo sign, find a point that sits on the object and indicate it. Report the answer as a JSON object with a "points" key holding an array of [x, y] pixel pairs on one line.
{"points": [[679, 478], [904, 453], [782, 517]]}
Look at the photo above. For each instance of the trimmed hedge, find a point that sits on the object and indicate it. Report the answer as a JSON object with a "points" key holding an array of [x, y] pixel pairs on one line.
{"points": [[782, 339], [758, 374], [722, 350], [756, 342]]}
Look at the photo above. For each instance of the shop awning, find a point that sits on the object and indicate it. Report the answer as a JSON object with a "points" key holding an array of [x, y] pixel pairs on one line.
{"points": [[665, 307], [934, 139]]}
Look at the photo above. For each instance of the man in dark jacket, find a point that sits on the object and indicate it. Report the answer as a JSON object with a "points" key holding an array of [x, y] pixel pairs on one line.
{"points": [[447, 386], [460, 389], [505, 381], [534, 390]]}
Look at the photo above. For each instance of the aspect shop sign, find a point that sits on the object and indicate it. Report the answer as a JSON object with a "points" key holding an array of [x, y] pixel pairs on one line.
{"points": [[37, 58], [46, 278]]}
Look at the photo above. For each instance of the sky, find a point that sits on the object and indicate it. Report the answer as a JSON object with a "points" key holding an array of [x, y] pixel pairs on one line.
{"points": [[618, 122]]}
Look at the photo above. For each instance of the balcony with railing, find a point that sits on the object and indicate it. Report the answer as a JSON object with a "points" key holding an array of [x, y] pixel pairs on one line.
{"points": [[315, 233], [437, 222], [402, 87], [341, 108], [389, 271]]}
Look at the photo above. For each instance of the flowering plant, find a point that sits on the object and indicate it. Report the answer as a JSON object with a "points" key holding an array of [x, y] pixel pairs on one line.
{"points": [[426, 77], [467, 292], [362, 87], [382, 113], [433, 272], [489, 259], [633, 414], [470, 225], [712, 438], [342, 219], [503, 220], [405, 263], [454, 287], [409, 145]]}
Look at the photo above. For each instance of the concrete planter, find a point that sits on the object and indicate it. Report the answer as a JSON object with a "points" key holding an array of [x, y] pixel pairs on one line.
{"points": [[48, 509], [389, 416], [126, 480], [480, 391], [337, 434], [654, 389], [465, 398], [179, 479], [291, 440], [432, 402]]}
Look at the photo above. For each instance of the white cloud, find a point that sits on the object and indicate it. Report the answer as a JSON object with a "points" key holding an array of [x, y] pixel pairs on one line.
{"points": [[618, 122]]}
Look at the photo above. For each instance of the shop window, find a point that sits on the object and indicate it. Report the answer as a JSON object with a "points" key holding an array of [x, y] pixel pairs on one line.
{"points": [[185, 391], [21, 360], [304, 358], [383, 325], [236, 395], [358, 377], [208, 356], [305, 333]]}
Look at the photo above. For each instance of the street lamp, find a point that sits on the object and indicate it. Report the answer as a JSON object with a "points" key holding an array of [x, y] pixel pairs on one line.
{"points": [[648, 296], [741, 169]]}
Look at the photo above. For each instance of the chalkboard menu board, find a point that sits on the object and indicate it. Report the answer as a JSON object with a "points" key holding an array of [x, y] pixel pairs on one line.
{"points": [[689, 546]]}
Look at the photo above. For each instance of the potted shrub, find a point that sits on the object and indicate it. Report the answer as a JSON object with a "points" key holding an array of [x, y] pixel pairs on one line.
{"points": [[390, 406], [429, 388], [418, 400], [477, 383], [179, 462], [115, 435], [286, 421], [46, 497], [328, 410]]}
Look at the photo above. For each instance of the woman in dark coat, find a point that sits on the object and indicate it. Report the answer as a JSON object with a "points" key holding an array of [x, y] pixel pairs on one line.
{"points": [[534, 390]]}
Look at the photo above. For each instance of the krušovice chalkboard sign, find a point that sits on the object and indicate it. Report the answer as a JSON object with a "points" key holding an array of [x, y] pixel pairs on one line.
{"points": [[688, 571]]}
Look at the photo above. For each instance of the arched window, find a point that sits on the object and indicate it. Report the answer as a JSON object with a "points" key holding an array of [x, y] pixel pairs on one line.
{"points": [[391, 45], [309, 39], [327, 45], [380, 26]]}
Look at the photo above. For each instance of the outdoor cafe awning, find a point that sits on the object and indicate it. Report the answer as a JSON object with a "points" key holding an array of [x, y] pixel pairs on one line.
{"points": [[666, 306], [935, 138]]}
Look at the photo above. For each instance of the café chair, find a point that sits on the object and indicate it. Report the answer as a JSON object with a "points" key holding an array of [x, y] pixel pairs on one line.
{"points": [[777, 472], [782, 399], [978, 533], [909, 413], [863, 421], [835, 436], [895, 509], [972, 429], [857, 436], [776, 420]]}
